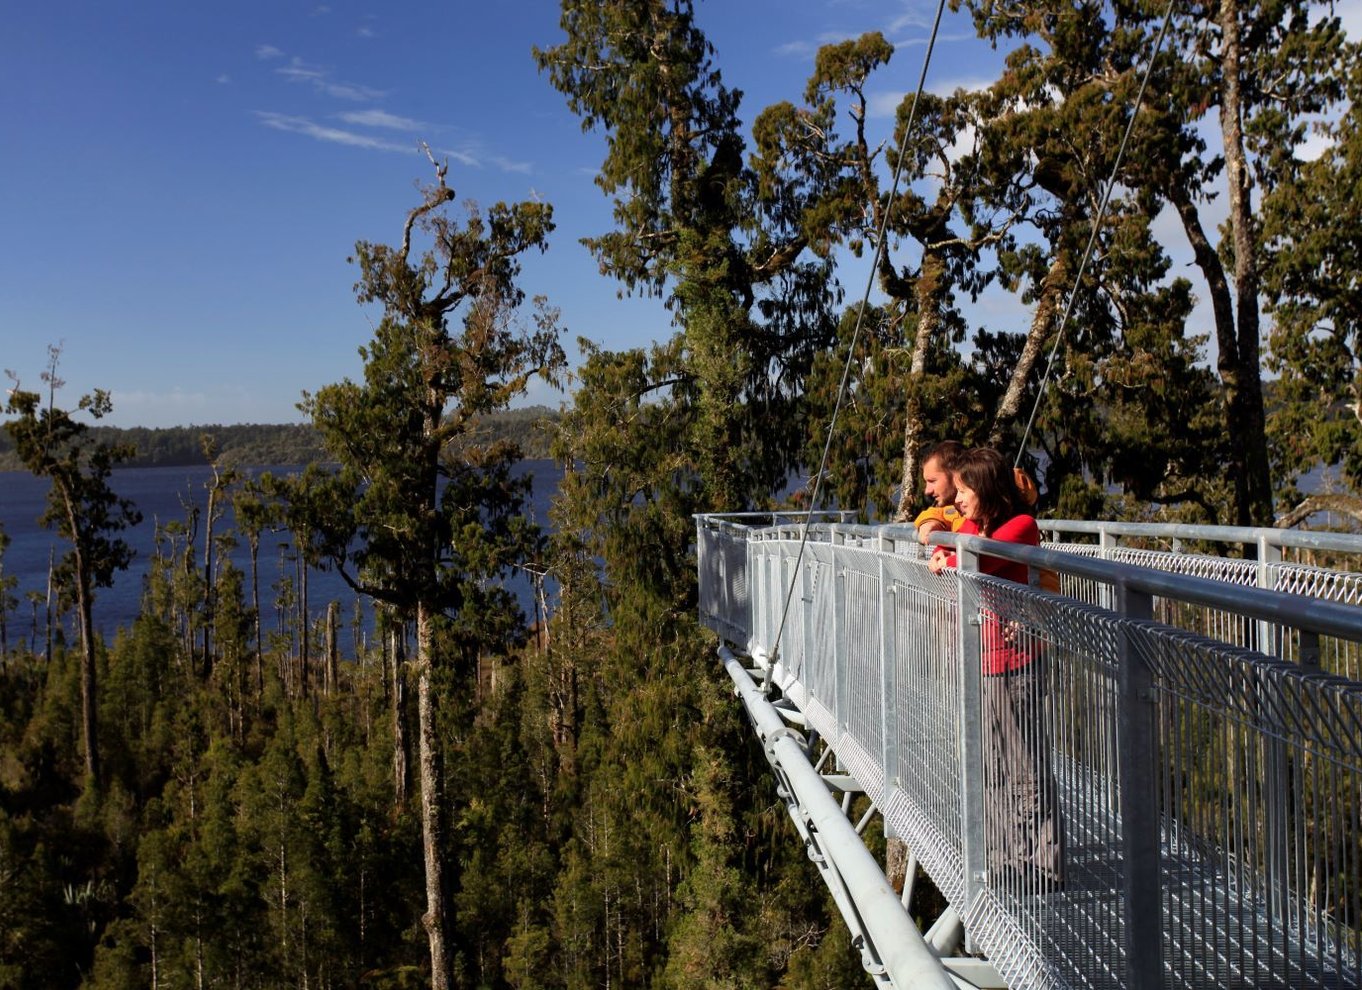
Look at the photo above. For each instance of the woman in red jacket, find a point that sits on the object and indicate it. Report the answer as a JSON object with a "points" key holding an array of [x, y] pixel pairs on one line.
{"points": [[1024, 833]]}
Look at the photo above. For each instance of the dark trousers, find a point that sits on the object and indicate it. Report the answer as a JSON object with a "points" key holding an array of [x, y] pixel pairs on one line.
{"points": [[1024, 832]]}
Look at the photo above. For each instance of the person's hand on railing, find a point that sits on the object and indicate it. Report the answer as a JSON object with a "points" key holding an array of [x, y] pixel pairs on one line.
{"points": [[940, 560]]}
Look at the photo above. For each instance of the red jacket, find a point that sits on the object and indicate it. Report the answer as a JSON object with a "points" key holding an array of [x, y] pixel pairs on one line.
{"points": [[1005, 646]]}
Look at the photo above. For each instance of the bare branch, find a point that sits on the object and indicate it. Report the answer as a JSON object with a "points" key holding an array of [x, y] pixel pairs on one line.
{"points": [[436, 196], [1343, 504]]}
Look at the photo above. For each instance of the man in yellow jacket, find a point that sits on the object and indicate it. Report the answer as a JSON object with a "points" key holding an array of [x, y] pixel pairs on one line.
{"points": [[940, 488]]}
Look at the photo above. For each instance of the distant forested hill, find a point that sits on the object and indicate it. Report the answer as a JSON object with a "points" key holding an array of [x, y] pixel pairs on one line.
{"points": [[264, 445]]}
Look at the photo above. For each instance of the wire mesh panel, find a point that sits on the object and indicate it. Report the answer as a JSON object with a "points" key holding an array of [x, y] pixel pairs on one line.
{"points": [[1302, 575], [821, 660], [924, 631], [1262, 791], [721, 557], [1337, 656], [1052, 814], [861, 684], [1080, 588]]}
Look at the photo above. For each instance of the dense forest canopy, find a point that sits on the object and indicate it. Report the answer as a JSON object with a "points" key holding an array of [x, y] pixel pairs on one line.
{"points": [[274, 445], [219, 797]]}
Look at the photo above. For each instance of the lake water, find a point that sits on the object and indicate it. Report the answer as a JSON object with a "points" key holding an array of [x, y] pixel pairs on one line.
{"points": [[165, 495]]}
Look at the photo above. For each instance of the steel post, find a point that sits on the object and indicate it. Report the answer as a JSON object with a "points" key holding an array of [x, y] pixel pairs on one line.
{"points": [[1137, 762]]}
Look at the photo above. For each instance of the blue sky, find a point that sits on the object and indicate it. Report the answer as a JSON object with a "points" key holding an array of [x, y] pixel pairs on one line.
{"points": [[183, 182]]}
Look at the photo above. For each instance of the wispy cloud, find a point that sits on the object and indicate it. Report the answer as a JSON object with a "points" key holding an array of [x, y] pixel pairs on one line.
{"points": [[473, 156], [381, 118], [809, 46], [224, 79], [920, 40], [911, 16], [333, 135], [299, 71], [462, 157], [796, 49], [507, 165], [267, 52], [365, 32]]}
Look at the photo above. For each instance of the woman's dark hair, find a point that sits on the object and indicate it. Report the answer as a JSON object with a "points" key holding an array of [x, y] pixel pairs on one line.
{"points": [[986, 472]]}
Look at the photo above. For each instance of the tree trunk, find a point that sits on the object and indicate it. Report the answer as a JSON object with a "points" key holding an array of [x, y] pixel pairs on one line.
{"points": [[930, 287], [332, 647], [1244, 402], [896, 863], [88, 697], [1042, 327], [254, 539], [436, 918], [47, 606], [85, 610], [208, 590], [1235, 309], [401, 755], [304, 632], [4, 614]]}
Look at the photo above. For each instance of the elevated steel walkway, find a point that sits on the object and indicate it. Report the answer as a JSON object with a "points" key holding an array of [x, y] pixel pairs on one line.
{"points": [[1182, 804]]}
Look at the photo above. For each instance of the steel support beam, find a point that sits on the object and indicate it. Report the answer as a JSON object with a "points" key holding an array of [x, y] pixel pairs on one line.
{"points": [[892, 949]]}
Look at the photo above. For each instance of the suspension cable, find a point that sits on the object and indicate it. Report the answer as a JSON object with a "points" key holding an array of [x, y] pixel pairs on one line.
{"points": [[855, 336], [1092, 236]]}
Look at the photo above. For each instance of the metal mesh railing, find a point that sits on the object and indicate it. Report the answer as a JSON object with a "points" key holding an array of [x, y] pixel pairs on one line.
{"points": [[1110, 800], [1160, 547]]}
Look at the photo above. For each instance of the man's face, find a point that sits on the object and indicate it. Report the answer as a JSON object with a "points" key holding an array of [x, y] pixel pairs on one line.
{"points": [[937, 483]]}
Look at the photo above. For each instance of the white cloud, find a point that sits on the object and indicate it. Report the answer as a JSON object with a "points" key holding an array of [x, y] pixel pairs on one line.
{"points": [[365, 32], [912, 15], [920, 40], [334, 135], [299, 71], [224, 79], [348, 91], [473, 157], [381, 118], [267, 52], [507, 165], [462, 157], [810, 47]]}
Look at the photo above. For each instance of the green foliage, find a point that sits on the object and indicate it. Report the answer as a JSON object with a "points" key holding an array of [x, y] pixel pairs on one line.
{"points": [[1312, 228], [83, 510], [274, 445]]}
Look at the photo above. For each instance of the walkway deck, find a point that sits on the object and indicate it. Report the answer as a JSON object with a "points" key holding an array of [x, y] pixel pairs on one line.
{"points": [[1210, 793]]}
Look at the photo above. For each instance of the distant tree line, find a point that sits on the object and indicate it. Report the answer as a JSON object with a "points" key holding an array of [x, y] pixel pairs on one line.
{"points": [[268, 445]]}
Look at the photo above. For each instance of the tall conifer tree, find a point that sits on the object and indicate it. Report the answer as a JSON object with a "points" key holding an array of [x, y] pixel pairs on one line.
{"points": [[429, 530], [82, 507]]}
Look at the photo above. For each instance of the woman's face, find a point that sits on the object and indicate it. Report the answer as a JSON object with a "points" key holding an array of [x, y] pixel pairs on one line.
{"points": [[966, 501]]}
